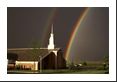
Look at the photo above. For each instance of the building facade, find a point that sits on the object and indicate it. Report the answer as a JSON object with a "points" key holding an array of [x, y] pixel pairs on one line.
{"points": [[44, 58]]}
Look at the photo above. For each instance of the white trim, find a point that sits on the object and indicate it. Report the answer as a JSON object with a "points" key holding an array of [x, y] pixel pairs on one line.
{"points": [[21, 48], [55, 52], [31, 62], [27, 48]]}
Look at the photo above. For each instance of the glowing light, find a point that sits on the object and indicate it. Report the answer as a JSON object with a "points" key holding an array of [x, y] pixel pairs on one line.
{"points": [[72, 37], [25, 62]]}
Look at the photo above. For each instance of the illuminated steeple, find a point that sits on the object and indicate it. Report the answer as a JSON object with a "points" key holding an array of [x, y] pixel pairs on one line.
{"points": [[51, 39]]}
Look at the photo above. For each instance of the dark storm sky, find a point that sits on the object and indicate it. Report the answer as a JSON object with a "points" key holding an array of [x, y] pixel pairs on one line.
{"points": [[27, 24]]}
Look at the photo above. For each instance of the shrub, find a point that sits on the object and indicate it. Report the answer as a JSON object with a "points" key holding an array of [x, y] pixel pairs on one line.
{"points": [[84, 63]]}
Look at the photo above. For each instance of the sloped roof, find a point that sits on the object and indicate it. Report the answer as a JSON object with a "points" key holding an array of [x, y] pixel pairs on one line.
{"points": [[28, 54]]}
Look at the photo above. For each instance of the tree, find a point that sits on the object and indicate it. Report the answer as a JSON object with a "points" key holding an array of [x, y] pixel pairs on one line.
{"points": [[71, 65], [68, 63], [34, 51], [84, 63], [106, 62], [106, 59]]}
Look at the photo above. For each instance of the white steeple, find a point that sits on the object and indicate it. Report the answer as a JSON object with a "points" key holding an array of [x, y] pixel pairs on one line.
{"points": [[51, 39]]}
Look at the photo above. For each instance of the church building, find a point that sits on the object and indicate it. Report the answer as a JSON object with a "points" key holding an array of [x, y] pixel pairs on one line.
{"points": [[36, 58]]}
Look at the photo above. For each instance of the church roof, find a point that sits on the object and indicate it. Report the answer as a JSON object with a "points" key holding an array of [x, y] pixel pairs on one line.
{"points": [[28, 54]]}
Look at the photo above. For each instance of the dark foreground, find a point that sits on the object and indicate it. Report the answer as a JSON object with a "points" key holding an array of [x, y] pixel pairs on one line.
{"points": [[62, 71], [85, 69]]}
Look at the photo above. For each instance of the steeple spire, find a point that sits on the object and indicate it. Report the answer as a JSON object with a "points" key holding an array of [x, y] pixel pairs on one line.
{"points": [[52, 29], [51, 39]]}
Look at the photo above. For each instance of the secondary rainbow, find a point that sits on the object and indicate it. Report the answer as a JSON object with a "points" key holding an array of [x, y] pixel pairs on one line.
{"points": [[48, 23]]}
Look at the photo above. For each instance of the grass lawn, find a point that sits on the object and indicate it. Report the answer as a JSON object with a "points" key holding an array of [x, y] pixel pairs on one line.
{"points": [[62, 71], [88, 69]]}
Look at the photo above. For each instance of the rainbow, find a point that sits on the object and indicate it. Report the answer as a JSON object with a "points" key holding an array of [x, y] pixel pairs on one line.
{"points": [[49, 22], [74, 32]]}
